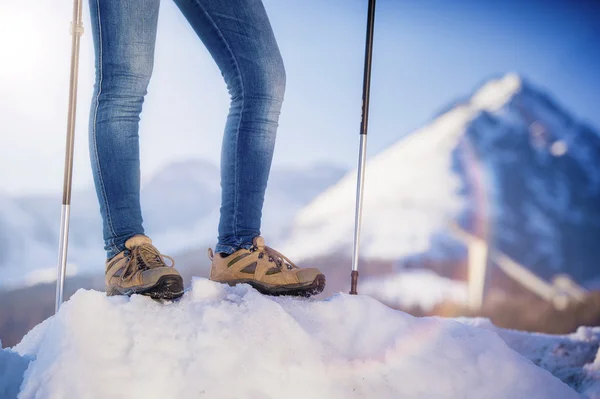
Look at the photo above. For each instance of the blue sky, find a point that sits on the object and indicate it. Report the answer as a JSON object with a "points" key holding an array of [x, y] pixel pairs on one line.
{"points": [[427, 54]]}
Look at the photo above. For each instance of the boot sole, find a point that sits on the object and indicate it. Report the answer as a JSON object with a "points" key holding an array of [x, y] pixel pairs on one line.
{"points": [[167, 287], [301, 290]]}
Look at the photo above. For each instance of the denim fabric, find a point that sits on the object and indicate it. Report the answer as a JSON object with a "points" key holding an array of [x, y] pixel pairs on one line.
{"points": [[239, 37]]}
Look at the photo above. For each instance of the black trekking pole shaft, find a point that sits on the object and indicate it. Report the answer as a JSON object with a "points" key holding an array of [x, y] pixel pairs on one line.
{"points": [[363, 144], [76, 32]]}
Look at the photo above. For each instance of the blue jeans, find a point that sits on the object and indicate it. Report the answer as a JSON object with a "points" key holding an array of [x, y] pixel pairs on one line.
{"points": [[239, 37]]}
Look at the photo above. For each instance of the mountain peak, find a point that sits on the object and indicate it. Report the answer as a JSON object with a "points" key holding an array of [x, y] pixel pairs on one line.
{"points": [[495, 93]]}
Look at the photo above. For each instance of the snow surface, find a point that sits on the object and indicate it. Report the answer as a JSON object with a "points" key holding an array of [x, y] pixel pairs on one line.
{"points": [[411, 184], [231, 342], [415, 288], [574, 358]]}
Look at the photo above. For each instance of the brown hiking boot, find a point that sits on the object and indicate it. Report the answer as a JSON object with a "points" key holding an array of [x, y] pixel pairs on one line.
{"points": [[267, 270], [141, 269]]}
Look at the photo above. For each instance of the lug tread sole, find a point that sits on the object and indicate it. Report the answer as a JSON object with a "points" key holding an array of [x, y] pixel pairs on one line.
{"points": [[167, 288], [301, 290]]}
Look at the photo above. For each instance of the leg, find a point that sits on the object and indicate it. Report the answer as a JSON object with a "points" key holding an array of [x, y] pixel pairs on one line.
{"points": [[240, 39], [124, 35]]}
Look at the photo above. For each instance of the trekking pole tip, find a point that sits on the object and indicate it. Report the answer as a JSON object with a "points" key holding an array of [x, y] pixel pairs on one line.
{"points": [[353, 282]]}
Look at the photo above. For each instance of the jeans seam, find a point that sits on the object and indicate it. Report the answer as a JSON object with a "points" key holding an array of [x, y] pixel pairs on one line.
{"points": [[237, 133], [94, 132]]}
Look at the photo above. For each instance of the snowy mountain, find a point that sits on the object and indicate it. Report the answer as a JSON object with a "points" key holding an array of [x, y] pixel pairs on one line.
{"points": [[508, 162], [345, 347], [544, 183], [180, 207]]}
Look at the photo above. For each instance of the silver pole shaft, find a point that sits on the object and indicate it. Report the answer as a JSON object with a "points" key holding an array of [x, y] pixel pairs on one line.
{"points": [[62, 254], [360, 182], [76, 32]]}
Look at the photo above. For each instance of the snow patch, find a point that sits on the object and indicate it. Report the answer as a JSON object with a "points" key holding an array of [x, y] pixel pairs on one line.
{"points": [[45, 275], [496, 93], [558, 148]]}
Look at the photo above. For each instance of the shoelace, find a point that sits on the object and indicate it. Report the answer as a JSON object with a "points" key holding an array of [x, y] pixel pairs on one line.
{"points": [[275, 256], [144, 257]]}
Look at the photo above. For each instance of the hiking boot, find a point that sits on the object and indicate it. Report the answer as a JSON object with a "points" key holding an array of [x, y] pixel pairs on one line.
{"points": [[267, 270], [141, 269]]}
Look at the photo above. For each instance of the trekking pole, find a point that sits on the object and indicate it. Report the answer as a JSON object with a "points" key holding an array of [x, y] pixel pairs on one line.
{"points": [[363, 144], [76, 32]]}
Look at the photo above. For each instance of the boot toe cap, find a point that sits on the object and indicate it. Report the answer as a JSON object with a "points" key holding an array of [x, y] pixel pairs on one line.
{"points": [[153, 275], [308, 275]]}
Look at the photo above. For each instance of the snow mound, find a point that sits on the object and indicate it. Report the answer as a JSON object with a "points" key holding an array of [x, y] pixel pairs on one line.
{"points": [[232, 342]]}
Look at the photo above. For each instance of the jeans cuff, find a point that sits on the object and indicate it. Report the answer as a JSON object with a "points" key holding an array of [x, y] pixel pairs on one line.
{"points": [[239, 243], [115, 246]]}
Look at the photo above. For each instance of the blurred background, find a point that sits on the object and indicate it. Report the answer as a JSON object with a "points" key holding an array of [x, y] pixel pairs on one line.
{"points": [[482, 193]]}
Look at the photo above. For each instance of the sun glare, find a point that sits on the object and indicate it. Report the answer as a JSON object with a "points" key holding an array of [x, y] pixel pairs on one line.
{"points": [[25, 45]]}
